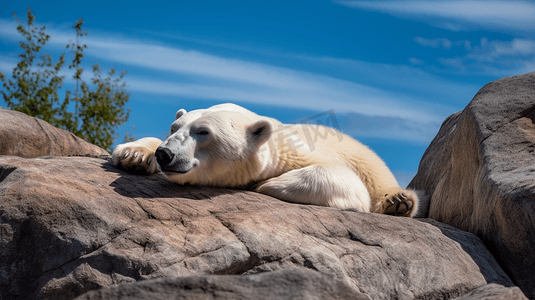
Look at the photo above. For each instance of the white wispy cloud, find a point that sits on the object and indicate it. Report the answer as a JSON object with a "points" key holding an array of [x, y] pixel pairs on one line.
{"points": [[341, 96], [413, 80], [170, 70], [219, 75], [397, 128], [435, 43], [489, 57], [8, 29], [6, 65], [443, 43], [496, 49], [458, 15], [415, 61]]}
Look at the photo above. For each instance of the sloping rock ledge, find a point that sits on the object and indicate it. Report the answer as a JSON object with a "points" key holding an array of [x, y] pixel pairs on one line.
{"points": [[70, 225], [25, 136]]}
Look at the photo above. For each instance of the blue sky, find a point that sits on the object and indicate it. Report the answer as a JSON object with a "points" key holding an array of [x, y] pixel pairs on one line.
{"points": [[391, 71]]}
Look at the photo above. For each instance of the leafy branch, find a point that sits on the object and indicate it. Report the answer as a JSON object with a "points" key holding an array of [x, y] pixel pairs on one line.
{"points": [[93, 111]]}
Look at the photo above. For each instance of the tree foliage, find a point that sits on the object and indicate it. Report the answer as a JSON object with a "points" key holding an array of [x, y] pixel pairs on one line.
{"points": [[34, 90], [94, 111]]}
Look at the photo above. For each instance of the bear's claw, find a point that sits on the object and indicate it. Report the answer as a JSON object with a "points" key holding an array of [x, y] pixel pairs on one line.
{"points": [[135, 159], [398, 204]]}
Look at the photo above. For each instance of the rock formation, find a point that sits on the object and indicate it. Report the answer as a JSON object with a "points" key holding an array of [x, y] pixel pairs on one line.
{"points": [[74, 224], [493, 292], [299, 283], [480, 173], [78, 227], [26, 136]]}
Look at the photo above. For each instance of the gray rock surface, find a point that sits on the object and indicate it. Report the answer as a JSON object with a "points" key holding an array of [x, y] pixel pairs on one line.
{"points": [[69, 225], [25, 136], [283, 284], [494, 291], [480, 173]]}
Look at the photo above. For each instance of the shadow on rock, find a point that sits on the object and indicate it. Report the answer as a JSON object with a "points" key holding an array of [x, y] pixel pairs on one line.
{"points": [[157, 186]]}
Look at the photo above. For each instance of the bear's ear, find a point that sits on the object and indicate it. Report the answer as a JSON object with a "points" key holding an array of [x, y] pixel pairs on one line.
{"points": [[180, 113], [259, 132]]}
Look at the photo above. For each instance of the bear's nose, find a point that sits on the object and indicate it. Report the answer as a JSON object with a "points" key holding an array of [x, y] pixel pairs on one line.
{"points": [[164, 156]]}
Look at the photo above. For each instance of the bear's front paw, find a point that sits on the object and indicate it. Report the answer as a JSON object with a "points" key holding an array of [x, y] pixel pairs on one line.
{"points": [[135, 159], [401, 203]]}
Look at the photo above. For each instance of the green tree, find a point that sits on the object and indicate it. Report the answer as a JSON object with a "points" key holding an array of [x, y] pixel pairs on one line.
{"points": [[93, 111], [34, 85], [129, 137], [99, 107]]}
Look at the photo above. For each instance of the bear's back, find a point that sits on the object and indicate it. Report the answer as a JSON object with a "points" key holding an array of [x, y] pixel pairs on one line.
{"points": [[325, 145]]}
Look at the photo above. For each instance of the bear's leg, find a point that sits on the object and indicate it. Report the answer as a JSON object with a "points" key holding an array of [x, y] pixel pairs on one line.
{"points": [[398, 202], [138, 156], [334, 186]]}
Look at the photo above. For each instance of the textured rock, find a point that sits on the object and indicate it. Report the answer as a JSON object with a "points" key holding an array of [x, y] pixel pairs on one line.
{"points": [[283, 284], [480, 173], [69, 225], [22, 135], [494, 292]]}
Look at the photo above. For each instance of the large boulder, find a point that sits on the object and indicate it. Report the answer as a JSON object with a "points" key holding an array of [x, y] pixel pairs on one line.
{"points": [[25, 136], [493, 291], [294, 284], [480, 174], [69, 225]]}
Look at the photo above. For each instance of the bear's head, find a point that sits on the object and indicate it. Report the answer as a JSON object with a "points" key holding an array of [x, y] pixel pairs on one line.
{"points": [[213, 148]]}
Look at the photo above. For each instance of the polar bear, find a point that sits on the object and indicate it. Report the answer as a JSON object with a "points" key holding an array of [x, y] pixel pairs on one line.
{"points": [[227, 145]]}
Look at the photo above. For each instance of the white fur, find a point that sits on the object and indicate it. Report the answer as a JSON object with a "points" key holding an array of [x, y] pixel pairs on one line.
{"points": [[229, 146], [335, 186]]}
